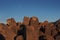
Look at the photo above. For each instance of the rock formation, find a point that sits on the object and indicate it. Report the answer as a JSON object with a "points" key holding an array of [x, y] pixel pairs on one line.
{"points": [[30, 29]]}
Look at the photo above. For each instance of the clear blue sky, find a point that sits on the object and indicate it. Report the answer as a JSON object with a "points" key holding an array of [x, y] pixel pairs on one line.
{"points": [[43, 9]]}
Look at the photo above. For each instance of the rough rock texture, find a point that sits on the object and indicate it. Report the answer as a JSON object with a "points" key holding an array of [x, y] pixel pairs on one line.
{"points": [[26, 20], [30, 29]]}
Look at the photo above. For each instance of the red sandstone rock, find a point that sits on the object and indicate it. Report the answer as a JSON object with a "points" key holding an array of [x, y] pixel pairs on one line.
{"points": [[26, 20], [34, 29], [19, 38]]}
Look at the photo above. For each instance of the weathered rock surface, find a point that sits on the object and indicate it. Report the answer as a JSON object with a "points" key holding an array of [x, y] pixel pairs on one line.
{"points": [[30, 29]]}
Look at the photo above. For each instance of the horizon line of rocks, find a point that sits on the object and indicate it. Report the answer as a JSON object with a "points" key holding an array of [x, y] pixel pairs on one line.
{"points": [[30, 29], [25, 17]]}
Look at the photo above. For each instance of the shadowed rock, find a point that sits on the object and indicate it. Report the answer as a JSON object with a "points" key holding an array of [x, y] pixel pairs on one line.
{"points": [[2, 37]]}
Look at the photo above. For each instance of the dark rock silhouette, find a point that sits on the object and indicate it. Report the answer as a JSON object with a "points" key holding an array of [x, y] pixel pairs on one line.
{"points": [[22, 32], [2, 37], [42, 37]]}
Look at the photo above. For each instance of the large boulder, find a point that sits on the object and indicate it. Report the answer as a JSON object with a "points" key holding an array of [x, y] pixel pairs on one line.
{"points": [[8, 34], [11, 23], [30, 33], [26, 20], [34, 21]]}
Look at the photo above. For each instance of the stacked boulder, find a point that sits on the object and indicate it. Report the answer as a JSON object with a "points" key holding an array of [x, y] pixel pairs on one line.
{"points": [[30, 29]]}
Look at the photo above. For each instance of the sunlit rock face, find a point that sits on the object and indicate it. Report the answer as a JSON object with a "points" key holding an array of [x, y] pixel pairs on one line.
{"points": [[26, 20], [33, 21], [30, 29]]}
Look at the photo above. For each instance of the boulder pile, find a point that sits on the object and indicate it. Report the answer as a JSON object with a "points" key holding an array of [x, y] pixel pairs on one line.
{"points": [[29, 29]]}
